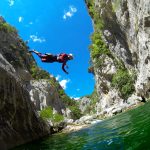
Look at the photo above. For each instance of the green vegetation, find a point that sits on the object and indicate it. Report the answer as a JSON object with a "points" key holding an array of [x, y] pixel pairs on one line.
{"points": [[66, 99], [124, 81], [90, 5], [47, 114], [58, 118], [75, 111], [7, 28], [99, 50], [98, 21], [71, 104], [116, 5], [38, 73], [98, 46]]}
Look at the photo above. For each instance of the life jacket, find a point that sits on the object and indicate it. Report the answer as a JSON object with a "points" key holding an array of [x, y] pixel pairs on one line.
{"points": [[62, 57], [44, 58]]}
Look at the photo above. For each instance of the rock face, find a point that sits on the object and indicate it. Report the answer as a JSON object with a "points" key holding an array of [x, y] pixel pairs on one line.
{"points": [[25, 89], [126, 32], [21, 94], [43, 94], [134, 21], [19, 121], [84, 104]]}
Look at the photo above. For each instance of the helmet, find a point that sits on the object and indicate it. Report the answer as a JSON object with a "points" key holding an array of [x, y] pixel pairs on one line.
{"points": [[70, 56]]}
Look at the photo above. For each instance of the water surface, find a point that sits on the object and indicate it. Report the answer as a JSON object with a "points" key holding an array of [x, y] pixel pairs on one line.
{"points": [[127, 131]]}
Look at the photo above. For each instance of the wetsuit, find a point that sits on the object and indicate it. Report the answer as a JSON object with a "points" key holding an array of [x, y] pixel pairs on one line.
{"points": [[61, 58]]}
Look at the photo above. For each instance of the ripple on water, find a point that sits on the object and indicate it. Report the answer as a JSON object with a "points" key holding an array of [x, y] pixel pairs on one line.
{"points": [[127, 131]]}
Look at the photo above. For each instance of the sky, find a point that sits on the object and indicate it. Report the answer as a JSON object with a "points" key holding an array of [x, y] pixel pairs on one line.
{"points": [[56, 26]]}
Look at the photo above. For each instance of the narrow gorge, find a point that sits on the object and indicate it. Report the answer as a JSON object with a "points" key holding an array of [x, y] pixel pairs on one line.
{"points": [[120, 63]]}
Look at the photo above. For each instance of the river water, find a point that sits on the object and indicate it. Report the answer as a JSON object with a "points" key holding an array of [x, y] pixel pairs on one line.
{"points": [[127, 131]]}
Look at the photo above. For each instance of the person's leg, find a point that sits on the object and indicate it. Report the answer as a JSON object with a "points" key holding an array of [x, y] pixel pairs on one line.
{"points": [[38, 53], [45, 57], [49, 54]]}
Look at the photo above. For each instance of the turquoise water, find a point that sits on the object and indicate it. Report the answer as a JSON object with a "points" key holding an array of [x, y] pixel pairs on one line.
{"points": [[127, 131]]}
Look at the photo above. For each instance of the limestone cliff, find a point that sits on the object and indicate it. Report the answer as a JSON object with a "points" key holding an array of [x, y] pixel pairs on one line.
{"points": [[43, 94], [25, 89], [120, 52], [19, 122]]}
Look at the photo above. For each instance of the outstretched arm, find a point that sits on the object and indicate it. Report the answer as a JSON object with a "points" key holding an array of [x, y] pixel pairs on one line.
{"points": [[63, 68]]}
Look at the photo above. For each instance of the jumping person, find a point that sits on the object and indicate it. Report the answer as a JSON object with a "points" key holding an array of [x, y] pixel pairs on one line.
{"points": [[50, 58]]}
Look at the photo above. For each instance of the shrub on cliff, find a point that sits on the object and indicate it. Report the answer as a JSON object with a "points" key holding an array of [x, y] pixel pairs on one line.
{"points": [[58, 118], [47, 113], [98, 49], [98, 46], [7, 28], [94, 13], [75, 112], [123, 81], [90, 5], [38, 73], [71, 104]]}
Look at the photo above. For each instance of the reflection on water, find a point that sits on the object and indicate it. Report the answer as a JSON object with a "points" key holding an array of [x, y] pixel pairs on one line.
{"points": [[130, 130]]}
